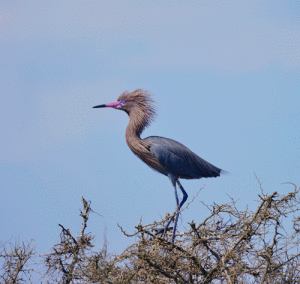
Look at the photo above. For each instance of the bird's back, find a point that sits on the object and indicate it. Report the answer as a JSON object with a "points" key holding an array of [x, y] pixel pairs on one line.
{"points": [[179, 160]]}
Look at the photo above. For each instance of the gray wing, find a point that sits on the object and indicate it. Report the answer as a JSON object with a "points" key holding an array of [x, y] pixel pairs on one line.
{"points": [[179, 160]]}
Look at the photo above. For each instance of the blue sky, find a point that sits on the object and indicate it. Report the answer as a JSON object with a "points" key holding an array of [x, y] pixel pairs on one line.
{"points": [[225, 75]]}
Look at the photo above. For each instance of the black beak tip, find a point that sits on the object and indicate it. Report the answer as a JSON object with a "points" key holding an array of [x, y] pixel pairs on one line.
{"points": [[99, 106]]}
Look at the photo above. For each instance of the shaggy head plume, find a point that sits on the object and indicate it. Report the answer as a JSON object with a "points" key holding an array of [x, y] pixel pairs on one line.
{"points": [[140, 106]]}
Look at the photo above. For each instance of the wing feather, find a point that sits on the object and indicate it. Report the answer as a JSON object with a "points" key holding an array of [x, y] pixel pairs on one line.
{"points": [[180, 160]]}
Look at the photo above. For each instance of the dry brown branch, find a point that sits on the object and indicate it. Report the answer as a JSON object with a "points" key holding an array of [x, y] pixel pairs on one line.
{"points": [[228, 246], [65, 260], [14, 258]]}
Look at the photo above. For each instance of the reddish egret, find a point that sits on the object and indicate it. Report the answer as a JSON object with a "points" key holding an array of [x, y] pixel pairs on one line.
{"points": [[164, 155]]}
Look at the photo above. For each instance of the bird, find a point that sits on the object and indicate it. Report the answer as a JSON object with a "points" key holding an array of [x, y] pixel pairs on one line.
{"points": [[163, 155]]}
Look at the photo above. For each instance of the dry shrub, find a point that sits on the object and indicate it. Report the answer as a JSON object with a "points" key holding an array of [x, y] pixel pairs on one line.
{"points": [[229, 246]]}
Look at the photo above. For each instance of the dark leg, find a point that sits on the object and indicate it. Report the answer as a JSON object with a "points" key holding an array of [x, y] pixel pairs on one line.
{"points": [[176, 196], [173, 180], [177, 210], [185, 196]]}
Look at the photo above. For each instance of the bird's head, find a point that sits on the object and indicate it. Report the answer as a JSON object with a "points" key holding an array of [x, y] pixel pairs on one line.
{"points": [[138, 104]]}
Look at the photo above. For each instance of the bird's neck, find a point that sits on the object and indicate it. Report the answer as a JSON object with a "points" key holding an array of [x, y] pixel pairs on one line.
{"points": [[139, 146], [134, 129], [133, 132]]}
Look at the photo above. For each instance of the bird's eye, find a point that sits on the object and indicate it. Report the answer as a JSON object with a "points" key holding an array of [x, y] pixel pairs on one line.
{"points": [[122, 102]]}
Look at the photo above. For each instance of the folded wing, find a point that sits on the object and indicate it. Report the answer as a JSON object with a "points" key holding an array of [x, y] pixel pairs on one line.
{"points": [[179, 160]]}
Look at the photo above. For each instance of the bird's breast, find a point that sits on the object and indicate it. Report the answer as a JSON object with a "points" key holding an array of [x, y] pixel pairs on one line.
{"points": [[141, 149]]}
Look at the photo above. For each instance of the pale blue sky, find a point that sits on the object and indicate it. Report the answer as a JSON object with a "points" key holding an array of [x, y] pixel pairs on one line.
{"points": [[225, 75]]}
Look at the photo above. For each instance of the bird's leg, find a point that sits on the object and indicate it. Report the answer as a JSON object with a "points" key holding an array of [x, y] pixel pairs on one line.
{"points": [[175, 225], [173, 180], [185, 195], [178, 206], [177, 210], [176, 197], [184, 198]]}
